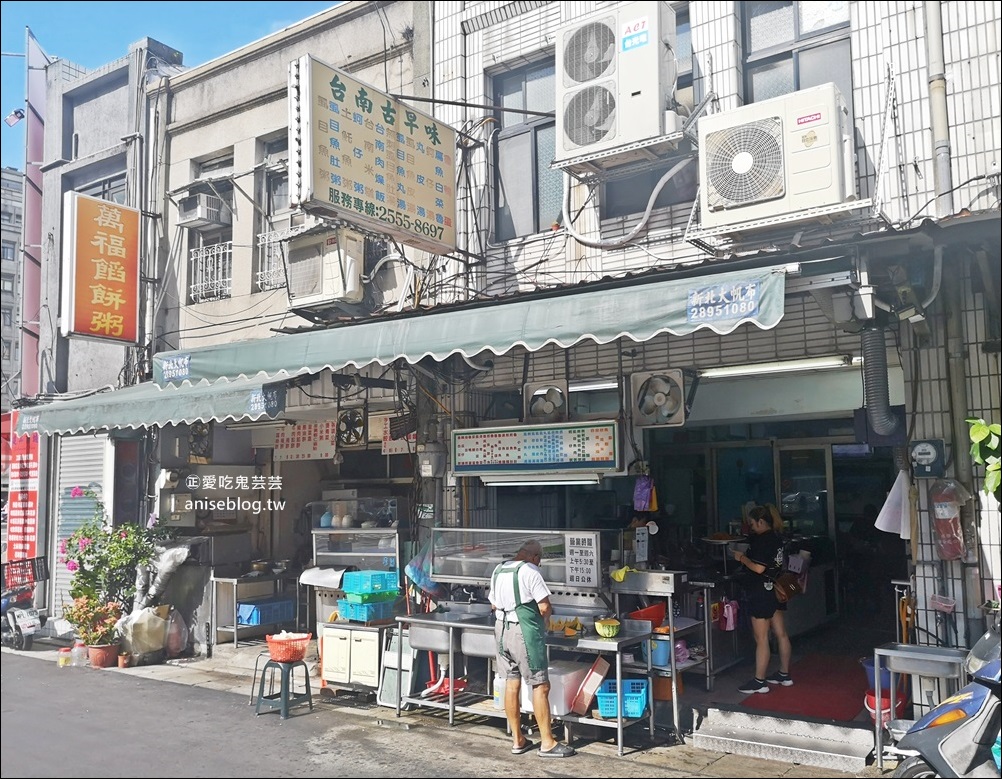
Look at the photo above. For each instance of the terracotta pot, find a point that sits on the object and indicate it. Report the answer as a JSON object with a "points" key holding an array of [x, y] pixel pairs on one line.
{"points": [[123, 661], [103, 655]]}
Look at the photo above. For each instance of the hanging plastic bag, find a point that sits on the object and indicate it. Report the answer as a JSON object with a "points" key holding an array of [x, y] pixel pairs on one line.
{"points": [[946, 497], [642, 493]]}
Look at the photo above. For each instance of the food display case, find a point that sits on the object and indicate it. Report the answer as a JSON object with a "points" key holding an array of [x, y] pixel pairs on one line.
{"points": [[573, 558]]}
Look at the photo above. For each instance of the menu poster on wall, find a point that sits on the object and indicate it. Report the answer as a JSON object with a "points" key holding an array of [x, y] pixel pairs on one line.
{"points": [[566, 447], [405, 445], [306, 441], [582, 559]]}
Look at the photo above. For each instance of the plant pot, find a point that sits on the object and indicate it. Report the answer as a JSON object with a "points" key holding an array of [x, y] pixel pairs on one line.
{"points": [[124, 660], [102, 655]]}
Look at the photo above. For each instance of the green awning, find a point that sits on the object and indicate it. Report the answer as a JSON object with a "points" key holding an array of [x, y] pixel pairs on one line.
{"points": [[149, 405], [720, 302]]}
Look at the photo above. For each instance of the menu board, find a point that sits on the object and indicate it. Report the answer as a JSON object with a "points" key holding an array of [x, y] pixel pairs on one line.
{"points": [[370, 159], [306, 441], [567, 447], [582, 559]]}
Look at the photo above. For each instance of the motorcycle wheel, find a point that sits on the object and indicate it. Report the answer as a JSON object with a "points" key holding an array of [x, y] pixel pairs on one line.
{"points": [[915, 768], [22, 642]]}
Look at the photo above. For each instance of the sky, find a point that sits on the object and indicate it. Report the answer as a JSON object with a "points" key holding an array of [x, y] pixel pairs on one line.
{"points": [[92, 34]]}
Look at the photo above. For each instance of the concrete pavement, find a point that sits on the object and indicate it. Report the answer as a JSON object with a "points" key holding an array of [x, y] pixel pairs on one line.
{"points": [[231, 670]]}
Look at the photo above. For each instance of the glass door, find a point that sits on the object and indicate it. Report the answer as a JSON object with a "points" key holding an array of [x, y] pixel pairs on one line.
{"points": [[805, 497]]}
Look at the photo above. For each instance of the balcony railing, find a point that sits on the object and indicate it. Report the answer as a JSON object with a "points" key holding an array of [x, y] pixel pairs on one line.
{"points": [[211, 272]]}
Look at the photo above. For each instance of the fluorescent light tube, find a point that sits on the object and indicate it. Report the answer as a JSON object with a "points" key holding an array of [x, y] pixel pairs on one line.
{"points": [[784, 366]]}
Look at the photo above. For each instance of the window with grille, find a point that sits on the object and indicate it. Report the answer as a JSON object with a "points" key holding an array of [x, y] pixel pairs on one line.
{"points": [[111, 189], [211, 274], [528, 192], [795, 45]]}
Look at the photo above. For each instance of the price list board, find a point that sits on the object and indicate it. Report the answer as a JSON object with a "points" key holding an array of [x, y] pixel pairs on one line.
{"points": [[583, 559], [572, 447]]}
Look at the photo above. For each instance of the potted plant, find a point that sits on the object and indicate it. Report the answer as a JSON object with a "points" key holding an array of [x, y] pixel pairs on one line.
{"points": [[104, 561], [95, 622]]}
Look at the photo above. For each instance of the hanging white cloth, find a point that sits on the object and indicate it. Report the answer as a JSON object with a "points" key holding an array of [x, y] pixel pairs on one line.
{"points": [[895, 514]]}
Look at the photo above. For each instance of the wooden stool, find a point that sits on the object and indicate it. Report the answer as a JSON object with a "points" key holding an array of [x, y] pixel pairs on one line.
{"points": [[286, 697]]}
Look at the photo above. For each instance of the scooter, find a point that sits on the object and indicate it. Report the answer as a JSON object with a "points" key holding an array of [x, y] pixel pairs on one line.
{"points": [[957, 736], [19, 619]]}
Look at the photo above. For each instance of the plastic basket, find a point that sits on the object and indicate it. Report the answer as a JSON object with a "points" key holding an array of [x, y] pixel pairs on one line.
{"points": [[634, 698], [18, 572], [288, 650], [267, 611], [942, 603], [363, 582], [365, 612], [371, 597]]}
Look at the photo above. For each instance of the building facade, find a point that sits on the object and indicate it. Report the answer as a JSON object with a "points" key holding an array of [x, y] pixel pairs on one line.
{"points": [[762, 238], [13, 213]]}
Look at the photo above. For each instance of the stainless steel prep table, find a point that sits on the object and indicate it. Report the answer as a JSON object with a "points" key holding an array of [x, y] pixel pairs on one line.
{"points": [[587, 644]]}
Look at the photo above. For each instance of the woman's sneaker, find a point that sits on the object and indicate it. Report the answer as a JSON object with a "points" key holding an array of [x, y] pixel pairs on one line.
{"points": [[755, 685], [780, 678]]}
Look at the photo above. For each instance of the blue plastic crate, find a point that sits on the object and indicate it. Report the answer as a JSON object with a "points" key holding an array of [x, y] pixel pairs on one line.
{"points": [[266, 611], [363, 582], [634, 698], [365, 612]]}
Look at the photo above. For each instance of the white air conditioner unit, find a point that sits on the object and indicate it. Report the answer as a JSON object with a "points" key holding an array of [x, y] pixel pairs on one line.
{"points": [[203, 210], [658, 399], [326, 268], [615, 72], [777, 158]]}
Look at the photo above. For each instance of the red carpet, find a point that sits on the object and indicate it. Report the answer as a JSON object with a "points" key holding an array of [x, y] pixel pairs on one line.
{"points": [[827, 687]]}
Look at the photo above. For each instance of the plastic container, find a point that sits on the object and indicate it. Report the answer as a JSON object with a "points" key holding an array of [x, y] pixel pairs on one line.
{"points": [[65, 657], [363, 582], [885, 675], [660, 652], [566, 678], [885, 707], [634, 698], [499, 685], [79, 655]]}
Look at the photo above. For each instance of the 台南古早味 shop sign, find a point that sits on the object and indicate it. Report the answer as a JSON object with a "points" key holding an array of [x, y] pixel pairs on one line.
{"points": [[359, 155]]}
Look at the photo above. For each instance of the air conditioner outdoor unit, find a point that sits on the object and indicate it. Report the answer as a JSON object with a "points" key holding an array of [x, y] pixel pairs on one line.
{"points": [[326, 268], [203, 210], [777, 158], [615, 72]]}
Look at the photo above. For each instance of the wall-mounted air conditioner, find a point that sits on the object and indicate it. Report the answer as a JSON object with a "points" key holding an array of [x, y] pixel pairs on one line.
{"points": [[776, 158], [203, 211], [615, 72], [326, 268]]}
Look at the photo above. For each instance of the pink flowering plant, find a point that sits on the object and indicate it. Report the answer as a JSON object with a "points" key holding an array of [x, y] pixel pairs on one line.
{"points": [[104, 558]]}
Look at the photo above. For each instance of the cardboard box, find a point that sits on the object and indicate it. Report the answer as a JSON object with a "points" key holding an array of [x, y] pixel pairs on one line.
{"points": [[581, 704], [566, 677]]}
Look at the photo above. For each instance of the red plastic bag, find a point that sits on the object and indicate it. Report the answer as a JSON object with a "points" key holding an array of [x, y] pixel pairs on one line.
{"points": [[946, 497]]}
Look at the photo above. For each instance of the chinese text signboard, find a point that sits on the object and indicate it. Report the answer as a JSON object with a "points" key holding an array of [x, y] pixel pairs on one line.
{"points": [[538, 448], [100, 269], [22, 499], [370, 159]]}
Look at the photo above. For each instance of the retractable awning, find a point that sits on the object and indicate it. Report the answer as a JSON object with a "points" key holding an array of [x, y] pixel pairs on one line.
{"points": [[720, 302], [149, 405]]}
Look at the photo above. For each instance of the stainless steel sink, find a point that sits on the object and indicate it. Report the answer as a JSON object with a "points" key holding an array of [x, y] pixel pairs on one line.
{"points": [[479, 641], [430, 632], [467, 608]]}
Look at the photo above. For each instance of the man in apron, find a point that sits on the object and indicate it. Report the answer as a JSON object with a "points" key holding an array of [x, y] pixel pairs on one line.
{"points": [[521, 603]]}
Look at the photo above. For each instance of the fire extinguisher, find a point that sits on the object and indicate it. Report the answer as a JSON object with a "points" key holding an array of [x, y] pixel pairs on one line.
{"points": [[946, 497]]}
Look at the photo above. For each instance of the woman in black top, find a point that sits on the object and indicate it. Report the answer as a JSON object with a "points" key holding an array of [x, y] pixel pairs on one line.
{"points": [[765, 553]]}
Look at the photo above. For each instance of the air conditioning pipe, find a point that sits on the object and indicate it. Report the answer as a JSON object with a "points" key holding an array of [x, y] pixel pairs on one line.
{"points": [[875, 391]]}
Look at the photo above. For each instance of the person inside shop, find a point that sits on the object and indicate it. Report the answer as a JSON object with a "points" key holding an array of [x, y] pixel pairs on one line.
{"points": [[520, 601], [764, 557]]}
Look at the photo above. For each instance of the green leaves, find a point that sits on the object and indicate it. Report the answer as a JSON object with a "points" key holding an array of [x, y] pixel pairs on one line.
{"points": [[985, 439]]}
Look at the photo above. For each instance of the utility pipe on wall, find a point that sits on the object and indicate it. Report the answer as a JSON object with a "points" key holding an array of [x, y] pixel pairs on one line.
{"points": [[942, 176]]}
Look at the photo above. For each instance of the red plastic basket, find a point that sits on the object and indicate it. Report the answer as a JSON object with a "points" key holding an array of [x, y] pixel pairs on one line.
{"points": [[656, 614], [288, 650]]}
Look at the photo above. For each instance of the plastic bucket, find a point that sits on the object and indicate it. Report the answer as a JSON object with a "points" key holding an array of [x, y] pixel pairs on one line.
{"points": [[885, 707], [885, 675], [660, 652]]}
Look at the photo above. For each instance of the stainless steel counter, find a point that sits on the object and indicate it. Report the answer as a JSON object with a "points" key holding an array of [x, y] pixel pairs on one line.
{"points": [[450, 624]]}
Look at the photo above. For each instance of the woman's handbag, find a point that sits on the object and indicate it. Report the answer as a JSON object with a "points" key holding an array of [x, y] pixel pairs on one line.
{"points": [[786, 585]]}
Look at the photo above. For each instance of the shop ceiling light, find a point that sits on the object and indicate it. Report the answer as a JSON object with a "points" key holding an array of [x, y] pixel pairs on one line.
{"points": [[783, 366], [594, 386]]}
